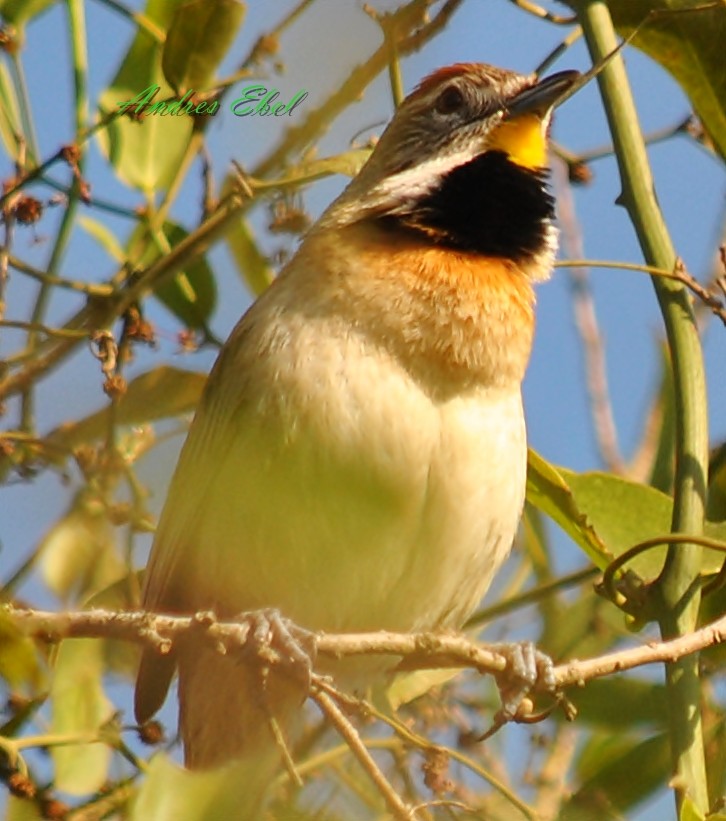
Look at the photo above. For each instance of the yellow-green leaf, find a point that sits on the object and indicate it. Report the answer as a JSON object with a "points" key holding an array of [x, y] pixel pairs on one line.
{"points": [[625, 513], [145, 154], [18, 12], [349, 163], [169, 792], [10, 126], [20, 662], [690, 812], [548, 491], [191, 295], [687, 38], [252, 264], [103, 236], [19, 809], [79, 711], [199, 36], [78, 554], [157, 394]]}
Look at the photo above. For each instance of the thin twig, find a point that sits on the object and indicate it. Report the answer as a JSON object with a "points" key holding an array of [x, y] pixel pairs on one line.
{"points": [[596, 379], [349, 733], [543, 14]]}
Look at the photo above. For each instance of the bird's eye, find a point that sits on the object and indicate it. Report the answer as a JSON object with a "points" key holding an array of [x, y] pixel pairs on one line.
{"points": [[449, 101]]}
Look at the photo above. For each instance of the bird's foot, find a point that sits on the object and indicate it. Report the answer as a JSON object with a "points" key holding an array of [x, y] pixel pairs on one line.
{"points": [[278, 642], [527, 669]]}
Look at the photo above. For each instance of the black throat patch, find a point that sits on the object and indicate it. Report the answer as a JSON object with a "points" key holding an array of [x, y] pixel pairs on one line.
{"points": [[489, 206]]}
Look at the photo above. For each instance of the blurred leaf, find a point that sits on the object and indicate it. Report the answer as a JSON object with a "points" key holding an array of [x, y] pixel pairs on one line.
{"points": [[20, 663], [20, 810], [104, 236], [252, 264], [199, 36], [620, 703], [157, 394], [549, 492], [78, 554], [581, 628], [145, 154], [79, 708], [617, 772], [190, 295], [690, 45], [9, 113], [690, 812], [348, 163], [716, 509], [19, 12], [535, 539], [407, 687], [170, 792]]}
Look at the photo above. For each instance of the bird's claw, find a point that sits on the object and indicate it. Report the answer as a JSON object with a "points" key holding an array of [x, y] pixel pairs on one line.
{"points": [[527, 669], [277, 641]]}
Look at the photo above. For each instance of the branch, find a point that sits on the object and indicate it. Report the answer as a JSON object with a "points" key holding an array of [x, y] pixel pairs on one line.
{"points": [[420, 650]]}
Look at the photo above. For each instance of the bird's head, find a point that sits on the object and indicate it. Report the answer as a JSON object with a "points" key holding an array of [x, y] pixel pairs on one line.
{"points": [[463, 163]]}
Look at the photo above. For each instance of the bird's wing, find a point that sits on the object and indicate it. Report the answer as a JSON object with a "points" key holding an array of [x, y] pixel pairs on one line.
{"points": [[202, 453]]}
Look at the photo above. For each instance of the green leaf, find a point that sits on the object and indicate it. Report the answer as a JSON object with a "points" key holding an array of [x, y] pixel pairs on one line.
{"points": [[548, 491], [690, 812], [103, 236], [620, 769], [716, 509], [19, 12], [348, 163], [606, 514], [252, 264], [78, 554], [687, 38], [79, 710], [582, 628], [10, 125], [620, 703], [20, 662], [624, 513], [157, 394], [146, 154], [191, 295], [18, 809], [170, 792], [407, 687], [199, 36]]}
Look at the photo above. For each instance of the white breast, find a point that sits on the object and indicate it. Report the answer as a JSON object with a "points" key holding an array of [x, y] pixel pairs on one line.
{"points": [[356, 500]]}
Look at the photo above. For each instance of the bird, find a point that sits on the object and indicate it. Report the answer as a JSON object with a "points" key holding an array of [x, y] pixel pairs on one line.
{"points": [[357, 461]]}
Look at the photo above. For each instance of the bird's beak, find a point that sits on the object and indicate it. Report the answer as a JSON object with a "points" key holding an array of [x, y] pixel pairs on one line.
{"points": [[543, 97], [522, 132]]}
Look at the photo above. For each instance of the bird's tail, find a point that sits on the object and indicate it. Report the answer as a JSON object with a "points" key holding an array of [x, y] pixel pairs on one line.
{"points": [[226, 715]]}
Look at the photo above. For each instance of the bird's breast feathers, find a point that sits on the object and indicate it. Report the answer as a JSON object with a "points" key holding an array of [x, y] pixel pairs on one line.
{"points": [[341, 484]]}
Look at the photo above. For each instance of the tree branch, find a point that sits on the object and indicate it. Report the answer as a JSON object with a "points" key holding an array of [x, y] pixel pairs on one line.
{"points": [[420, 650]]}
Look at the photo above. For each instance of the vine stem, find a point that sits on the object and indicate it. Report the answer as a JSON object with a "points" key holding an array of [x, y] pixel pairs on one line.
{"points": [[677, 592]]}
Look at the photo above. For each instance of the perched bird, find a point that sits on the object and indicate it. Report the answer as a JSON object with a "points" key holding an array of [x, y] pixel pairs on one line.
{"points": [[358, 457]]}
